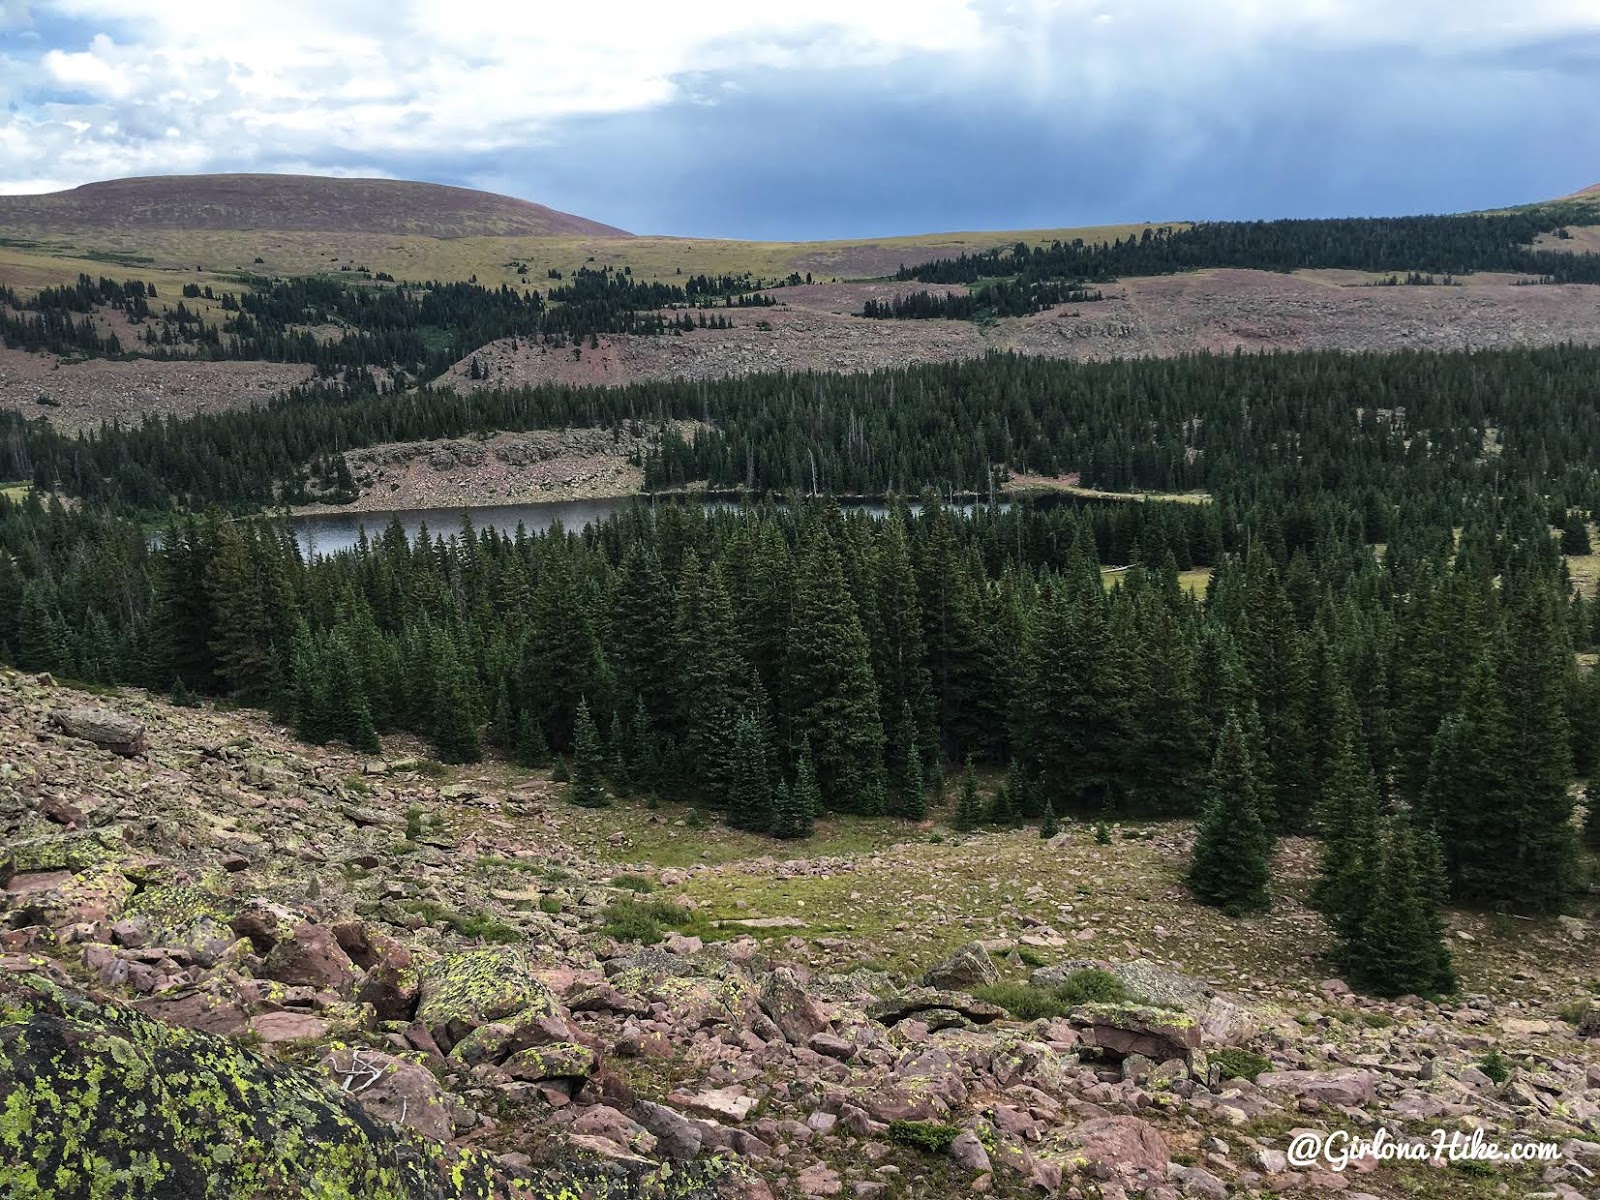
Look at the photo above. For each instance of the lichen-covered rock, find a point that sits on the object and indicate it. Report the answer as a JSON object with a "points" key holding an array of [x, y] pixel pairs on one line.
{"points": [[392, 1089], [181, 915], [1123, 1029], [98, 1093], [796, 1014], [462, 991], [921, 1000], [968, 967], [310, 956], [108, 730]]}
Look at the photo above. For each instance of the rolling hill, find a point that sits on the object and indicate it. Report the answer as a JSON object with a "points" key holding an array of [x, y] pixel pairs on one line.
{"points": [[292, 203]]}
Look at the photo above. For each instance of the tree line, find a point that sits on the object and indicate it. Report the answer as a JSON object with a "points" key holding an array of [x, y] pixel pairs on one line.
{"points": [[1377, 430], [1442, 245]]}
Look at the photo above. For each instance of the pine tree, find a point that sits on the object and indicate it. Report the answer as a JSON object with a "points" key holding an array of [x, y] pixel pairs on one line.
{"points": [[1230, 864], [1591, 816], [1001, 811], [750, 801], [1273, 653], [910, 798], [455, 710], [794, 809], [621, 777], [1574, 534], [588, 760], [1070, 721], [1347, 818], [240, 630], [1169, 731], [1401, 947], [969, 807], [1499, 792], [531, 748], [832, 696]]}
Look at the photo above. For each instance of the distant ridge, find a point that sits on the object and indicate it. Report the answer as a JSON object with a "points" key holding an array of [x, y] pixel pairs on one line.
{"points": [[292, 202]]}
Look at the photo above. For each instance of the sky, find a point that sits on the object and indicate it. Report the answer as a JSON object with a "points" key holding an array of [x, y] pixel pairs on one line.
{"points": [[799, 119]]}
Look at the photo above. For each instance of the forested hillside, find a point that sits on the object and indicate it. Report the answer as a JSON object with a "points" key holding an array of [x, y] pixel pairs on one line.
{"points": [[1436, 432], [418, 328], [1026, 278], [1386, 643]]}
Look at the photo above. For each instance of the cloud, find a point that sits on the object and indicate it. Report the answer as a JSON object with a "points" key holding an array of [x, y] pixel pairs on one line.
{"points": [[473, 91]]}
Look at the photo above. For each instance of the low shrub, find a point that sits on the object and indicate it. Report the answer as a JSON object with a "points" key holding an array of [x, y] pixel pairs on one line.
{"points": [[1238, 1063], [931, 1137]]}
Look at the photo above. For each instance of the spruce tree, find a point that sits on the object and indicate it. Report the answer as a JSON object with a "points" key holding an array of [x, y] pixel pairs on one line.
{"points": [[531, 748], [1272, 648], [969, 806], [1400, 948], [831, 693], [1230, 864], [455, 705], [1591, 816], [750, 801], [240, 630], [588, 760], [1347, 818], [910, 798], [796, 807], [621, 777]]}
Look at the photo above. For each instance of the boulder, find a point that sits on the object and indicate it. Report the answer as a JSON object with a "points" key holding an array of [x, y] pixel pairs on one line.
{"points": [[310, 956], [967, 968], [795, 1013], [106, 729], [463, 991], [1121, 1150], [1123, 1029], [1347, 1087], [168, 1112], [915, 1002], [392, 1089]]}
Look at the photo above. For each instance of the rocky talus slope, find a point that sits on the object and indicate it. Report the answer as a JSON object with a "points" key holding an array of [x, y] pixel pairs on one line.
{"points": [[232, 965]]}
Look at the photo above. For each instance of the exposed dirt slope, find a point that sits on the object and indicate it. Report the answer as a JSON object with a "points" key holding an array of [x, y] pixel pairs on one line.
{"points": [[291, 202]]}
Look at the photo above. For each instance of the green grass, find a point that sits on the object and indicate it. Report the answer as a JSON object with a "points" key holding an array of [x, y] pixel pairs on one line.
{"points": [[646, 921], [16, 492], [482, 927]]}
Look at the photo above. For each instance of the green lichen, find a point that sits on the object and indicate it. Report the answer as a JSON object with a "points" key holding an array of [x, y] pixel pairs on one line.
{"points": [[105, 1103]]}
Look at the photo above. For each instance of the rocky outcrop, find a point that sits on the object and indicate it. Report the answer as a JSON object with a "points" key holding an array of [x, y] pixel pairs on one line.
{"points": [[108, 730], [96, 1091], [967, 968]]}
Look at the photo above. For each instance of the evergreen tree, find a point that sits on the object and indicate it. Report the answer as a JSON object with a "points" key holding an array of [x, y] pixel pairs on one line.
{"points": [[621, 777], [240, 630], [585, 789], [750, 800], [1347, 818], [1591, 816], [531, 748], [1574, 534], [1230, 864], [1401, 947], [1273, 653], [969, 807], [832, 696], [794, 809], [910, 797], [455, 706]]}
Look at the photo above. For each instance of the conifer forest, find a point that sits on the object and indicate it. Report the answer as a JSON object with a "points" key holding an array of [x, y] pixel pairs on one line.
{"points": [[1385, 652]]}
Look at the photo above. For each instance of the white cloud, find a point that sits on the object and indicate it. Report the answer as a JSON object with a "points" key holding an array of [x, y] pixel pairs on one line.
{"points": [[172, 87]]}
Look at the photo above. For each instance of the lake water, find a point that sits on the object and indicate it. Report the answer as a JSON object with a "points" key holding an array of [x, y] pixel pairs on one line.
{"points": [[329, 533]]}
